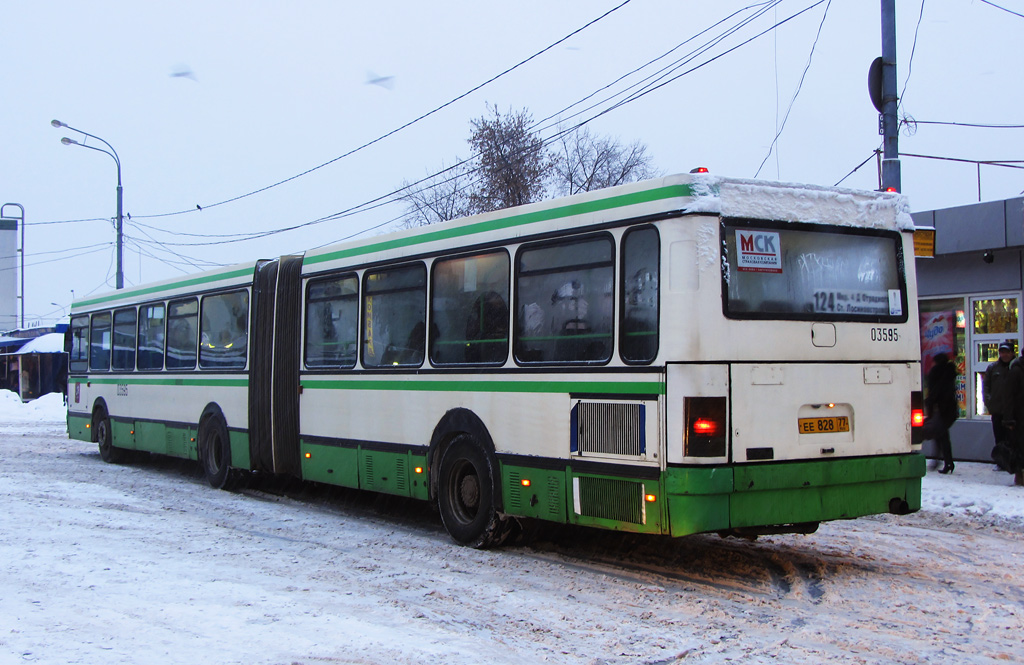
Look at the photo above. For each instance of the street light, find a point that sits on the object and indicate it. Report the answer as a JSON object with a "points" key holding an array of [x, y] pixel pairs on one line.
{"points": [[119, 279]]}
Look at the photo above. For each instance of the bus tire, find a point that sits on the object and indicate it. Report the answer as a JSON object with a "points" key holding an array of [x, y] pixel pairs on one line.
{"points": [[466, 496], [215, 453], [105, 437]]}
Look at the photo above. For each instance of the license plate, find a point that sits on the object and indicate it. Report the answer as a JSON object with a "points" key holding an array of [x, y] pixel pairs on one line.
{"points": [[823, 425]]}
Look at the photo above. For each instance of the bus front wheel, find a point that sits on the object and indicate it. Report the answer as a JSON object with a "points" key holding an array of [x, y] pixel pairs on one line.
{"points": [[466, 496], [215, 453], [105, 438]]}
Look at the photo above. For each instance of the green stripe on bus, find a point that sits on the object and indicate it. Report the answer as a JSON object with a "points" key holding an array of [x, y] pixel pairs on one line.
{"points": [[180, 381], [597, 387], [195, 281], [636, 198], [647, 196]]}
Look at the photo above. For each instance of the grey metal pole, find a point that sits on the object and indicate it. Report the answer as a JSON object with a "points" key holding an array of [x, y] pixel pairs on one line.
{"points": [[119, 278], [891, 179], [22, 221]]}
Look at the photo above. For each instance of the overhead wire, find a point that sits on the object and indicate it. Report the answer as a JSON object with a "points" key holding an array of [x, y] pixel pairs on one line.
{"points": [[799, 87], [992, 4], [408, 124]]}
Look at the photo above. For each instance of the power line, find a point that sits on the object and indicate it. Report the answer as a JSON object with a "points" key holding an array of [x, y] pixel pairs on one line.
{"points": [[1003, 8], [856, 168], [408, 124], [648, 86], [1005, 163], [967, 124], [799, 87], [913, 49]]}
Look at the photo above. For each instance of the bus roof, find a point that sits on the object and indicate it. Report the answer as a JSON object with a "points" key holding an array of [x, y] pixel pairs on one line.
{"points": [[696, 193]]}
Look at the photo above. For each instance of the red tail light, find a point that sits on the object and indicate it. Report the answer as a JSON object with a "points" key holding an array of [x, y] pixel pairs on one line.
{"points": [[917, 418], [705, 434], [705, 427]]}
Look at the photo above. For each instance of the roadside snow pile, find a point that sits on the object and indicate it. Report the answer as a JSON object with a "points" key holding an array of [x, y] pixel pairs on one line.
{"points": [[48, 409]]}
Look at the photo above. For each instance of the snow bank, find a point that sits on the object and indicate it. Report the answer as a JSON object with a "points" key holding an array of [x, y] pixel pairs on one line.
{"points": [[47, 409]]}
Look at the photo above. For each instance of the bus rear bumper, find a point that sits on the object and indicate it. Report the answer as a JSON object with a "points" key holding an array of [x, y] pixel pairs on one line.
{"points": [[790, 496]]}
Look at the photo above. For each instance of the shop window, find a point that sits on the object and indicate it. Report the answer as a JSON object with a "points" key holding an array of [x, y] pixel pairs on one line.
{"points": [[996, 319], [943, 330]]}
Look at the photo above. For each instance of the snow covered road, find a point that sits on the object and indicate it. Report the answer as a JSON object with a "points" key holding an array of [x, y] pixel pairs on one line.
{"points": [[145, 563]]}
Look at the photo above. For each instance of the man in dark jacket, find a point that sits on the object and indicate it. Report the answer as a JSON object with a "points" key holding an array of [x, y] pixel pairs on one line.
{"points": [[996, 393], [1013, 420], [942, 407]]}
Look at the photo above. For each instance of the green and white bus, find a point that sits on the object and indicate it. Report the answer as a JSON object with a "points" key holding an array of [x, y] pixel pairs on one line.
{"points": [[683, 355]]}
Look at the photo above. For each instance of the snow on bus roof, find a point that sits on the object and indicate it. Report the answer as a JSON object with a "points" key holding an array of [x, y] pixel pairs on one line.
{"points": [[794, 202]]}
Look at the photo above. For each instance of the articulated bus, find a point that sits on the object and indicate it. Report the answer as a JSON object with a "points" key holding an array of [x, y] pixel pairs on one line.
{"points": [[683, 355]]}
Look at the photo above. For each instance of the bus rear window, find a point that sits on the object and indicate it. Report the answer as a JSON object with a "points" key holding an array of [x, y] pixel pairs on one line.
{"points": [[838, 274]]}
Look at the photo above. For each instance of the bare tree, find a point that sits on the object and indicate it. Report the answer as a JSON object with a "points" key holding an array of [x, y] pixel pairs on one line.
{"points": [[441, 197], [512, 166], [513, 162], [585, 162]]}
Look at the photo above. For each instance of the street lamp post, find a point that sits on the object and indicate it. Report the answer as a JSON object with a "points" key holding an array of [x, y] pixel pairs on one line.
{"points": [[119, 279]]}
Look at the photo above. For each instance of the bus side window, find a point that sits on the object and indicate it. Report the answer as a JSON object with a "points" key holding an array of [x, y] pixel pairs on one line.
{"points": [[332, 314], [469, 310], [223, 331], [124, 339], [394, 317], [638, 332], [79, 359], [99, 342], [565, 301], [182, 333], [151, 337]]}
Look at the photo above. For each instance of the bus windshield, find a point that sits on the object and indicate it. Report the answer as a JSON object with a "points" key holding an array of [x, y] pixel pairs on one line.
{"points": [[812, 273]]}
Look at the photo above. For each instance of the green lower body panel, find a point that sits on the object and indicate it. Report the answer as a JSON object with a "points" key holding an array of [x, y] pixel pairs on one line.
{"points": [[767, 495], [402, 473], [79, 427]]}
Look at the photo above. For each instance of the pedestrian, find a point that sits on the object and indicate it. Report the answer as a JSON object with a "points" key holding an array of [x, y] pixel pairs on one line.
{"points": [[1013, 421], [996, 392], [942, 406]]}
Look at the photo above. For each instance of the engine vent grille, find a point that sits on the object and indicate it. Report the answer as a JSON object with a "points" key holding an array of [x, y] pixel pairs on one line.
{"points": [[608, 428], [609, 499]]}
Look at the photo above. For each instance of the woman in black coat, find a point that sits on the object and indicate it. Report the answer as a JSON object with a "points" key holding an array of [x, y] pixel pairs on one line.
{"points": [[942, 406]]}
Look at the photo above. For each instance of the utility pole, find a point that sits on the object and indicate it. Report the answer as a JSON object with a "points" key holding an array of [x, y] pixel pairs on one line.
{"points": [[890, 125]]}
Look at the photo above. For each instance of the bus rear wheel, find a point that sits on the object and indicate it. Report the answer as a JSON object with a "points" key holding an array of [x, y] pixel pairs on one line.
{"points": [[215, 453], [105, 438], [466, 495]]}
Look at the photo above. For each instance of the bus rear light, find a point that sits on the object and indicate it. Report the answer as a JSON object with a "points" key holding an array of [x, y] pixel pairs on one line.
{"points": [[705, 434], [650, 498], [916, 418], [705, 427], [418, 469]]}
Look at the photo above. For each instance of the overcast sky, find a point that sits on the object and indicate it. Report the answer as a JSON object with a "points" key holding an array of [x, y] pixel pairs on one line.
{"points": [[208, 100]]}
